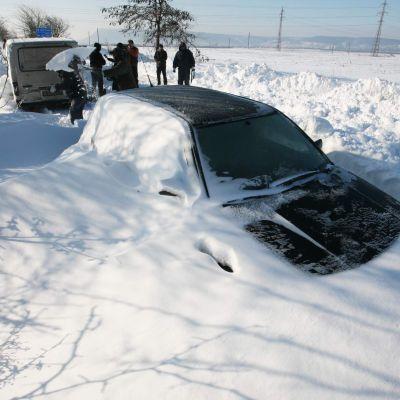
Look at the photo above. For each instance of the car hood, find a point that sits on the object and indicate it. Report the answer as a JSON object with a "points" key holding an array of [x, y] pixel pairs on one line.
{"points": [[332, 223]]}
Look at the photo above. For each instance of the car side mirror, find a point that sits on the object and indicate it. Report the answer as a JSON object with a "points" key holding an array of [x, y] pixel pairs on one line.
{"points": [[167, 193], [318, 143]]}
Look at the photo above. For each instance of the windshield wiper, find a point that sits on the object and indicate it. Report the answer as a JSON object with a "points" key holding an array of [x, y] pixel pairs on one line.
{"points": [[283, 181], [290, 179]]}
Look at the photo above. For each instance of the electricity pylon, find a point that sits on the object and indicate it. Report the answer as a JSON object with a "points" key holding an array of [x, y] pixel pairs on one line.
{"points": [[375, 50], [279, 45]]}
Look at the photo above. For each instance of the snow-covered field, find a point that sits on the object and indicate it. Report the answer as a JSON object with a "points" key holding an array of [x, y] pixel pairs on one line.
{"points": [[112, 293]]}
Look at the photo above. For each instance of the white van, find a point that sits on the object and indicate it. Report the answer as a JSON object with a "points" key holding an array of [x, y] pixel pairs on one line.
{"points": [[27, 59]]}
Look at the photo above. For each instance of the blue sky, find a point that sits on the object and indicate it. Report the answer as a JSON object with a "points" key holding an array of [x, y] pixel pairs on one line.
{"points": [[260, 17]]}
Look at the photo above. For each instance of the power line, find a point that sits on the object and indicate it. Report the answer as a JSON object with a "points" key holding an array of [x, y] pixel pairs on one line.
{"points": [[279, 45], [375, 50]]}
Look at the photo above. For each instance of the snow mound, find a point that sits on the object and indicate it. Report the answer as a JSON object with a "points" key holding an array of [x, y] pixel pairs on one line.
{"points": [[152, 143], [318, 125]]}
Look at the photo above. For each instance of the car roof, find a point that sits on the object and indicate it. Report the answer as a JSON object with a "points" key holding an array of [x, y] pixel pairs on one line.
{"points": [[201, 106]]}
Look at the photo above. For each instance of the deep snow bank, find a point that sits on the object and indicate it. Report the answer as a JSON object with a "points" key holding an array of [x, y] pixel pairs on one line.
{"points": [[110, 293], [26, 142]]}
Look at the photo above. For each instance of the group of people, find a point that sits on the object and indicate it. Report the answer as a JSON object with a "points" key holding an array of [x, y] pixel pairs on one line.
{"points": [[123, 73]]}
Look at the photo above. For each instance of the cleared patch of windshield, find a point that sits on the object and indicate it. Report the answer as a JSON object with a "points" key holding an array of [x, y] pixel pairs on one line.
{"points": [[253, 153]]}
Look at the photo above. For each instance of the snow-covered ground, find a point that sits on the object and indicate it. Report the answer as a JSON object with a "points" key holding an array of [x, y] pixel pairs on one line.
{"points": [[107, 292], [337, 64]]}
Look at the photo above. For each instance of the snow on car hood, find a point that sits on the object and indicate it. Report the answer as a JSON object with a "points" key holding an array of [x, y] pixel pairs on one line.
{"points": [[152, 143], [325, 225]]}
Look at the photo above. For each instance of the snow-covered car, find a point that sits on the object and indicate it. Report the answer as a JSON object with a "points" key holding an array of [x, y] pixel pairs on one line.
{"points": [[255, 161]]}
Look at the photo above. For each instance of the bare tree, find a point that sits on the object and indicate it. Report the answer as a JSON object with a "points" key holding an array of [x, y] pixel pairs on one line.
{"points": [[30, 18], [5, 33], [156, 19], [58, 25]]}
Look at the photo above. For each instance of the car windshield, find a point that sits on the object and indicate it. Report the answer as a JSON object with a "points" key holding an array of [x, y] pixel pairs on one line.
{"points": [[254, 154]]}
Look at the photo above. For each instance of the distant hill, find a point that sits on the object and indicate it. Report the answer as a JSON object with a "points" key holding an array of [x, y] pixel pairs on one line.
{"points": [[314, 42], [203, 39]]}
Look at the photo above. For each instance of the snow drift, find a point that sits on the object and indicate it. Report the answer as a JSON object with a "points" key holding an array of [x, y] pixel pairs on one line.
{"points": [[112, 293]]}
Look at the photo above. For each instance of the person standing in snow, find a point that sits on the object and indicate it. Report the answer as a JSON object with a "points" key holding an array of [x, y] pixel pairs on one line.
{"points": [[73, 84], [97, 62], [160, 57], [184, 61], [133, 57], [121, 72]]}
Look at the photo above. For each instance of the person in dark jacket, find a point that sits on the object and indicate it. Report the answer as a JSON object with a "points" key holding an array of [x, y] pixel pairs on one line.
{"points": [[97, 62], [133, 58], [160, 57], [184, 61], [121, 72], [73, 84]]}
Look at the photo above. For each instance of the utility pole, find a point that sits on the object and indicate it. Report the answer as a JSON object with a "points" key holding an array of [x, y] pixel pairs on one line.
{"points": [[88, 37], [98, 37], [248, 41], [279, 45], [375, 50]]}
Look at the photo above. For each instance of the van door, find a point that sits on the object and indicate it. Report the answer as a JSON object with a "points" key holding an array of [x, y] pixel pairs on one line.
{"points": [[34, 81]]}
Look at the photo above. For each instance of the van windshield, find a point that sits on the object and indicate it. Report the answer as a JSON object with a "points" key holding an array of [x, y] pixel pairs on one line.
{"points": [[36, 58]]}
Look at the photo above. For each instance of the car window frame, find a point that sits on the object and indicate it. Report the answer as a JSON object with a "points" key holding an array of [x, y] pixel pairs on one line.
{"points": [[197, 158], [195, 132]]}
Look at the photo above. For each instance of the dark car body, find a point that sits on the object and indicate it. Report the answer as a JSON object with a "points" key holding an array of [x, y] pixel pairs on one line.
{"points": [[324, 221]]}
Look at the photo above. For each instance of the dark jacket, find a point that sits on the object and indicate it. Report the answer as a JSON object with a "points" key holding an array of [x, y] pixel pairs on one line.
{"points": [[73, 84], [184, 59], [97, 60], [160, 57], [121, 72]]}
